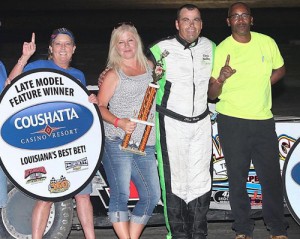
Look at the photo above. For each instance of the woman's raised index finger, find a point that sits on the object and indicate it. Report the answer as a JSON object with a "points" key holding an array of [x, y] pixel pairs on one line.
{"points": [[33, 38], [227, 60]]}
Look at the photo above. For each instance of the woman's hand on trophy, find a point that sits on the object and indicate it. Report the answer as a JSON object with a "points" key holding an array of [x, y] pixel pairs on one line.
{"points": [[127, 125]]}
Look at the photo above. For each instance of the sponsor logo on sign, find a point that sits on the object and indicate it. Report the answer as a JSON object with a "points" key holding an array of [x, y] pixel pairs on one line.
{"points": [[35, 175], [59, 185], [54, 125], [78, 165], [285, 143], [221, 196]]}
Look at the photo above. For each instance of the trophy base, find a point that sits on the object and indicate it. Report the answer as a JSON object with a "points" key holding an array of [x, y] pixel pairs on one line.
{"points": [[133, 150]]}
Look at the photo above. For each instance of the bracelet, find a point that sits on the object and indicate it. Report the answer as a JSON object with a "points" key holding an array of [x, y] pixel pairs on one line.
{"points": [[116, 122], [219, 82]]}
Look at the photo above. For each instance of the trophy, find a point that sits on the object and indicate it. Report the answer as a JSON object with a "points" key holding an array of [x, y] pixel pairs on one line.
{"points": [[143, 115]]}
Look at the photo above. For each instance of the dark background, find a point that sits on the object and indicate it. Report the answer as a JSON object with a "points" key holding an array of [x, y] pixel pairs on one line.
{"points": [[92, 29]]}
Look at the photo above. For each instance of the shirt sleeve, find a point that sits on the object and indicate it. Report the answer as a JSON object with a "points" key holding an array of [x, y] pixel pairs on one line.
{"points": [[3, 76], [219, 62], [276, 55]]}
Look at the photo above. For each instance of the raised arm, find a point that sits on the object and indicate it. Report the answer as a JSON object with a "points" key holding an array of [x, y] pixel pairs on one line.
{"points": [[28, 50], [215, 85]]}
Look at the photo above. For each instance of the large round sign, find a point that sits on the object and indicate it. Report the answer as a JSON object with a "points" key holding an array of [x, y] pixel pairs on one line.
{"points": [[51, 136], [291, 180]]}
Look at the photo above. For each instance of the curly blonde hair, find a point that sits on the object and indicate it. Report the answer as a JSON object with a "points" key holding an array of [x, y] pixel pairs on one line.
{"points": [[114, 59]]}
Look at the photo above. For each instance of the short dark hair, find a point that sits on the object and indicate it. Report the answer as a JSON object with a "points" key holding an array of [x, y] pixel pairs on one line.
{"points": [[238, 3], [187, 6]]}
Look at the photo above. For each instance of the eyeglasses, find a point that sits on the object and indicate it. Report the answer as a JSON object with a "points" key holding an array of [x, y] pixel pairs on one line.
{"points": [[244, 16], [123, 23]]}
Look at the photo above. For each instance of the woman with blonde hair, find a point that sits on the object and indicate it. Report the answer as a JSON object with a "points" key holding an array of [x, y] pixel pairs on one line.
{"points": [[123, 88]]}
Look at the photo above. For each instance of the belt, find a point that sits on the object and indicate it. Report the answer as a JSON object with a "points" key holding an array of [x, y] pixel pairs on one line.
{"points": [[180, 117]]}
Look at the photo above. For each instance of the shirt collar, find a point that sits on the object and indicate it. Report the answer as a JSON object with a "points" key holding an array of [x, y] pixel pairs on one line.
{"points": [[185, 43]]}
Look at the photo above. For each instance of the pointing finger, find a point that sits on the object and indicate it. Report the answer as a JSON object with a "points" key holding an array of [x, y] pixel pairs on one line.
{"points": [[227, 60], [33, 38]]}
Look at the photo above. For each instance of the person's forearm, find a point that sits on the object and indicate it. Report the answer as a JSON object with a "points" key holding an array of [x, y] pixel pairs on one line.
{"points": [[107, 116], [214, 88], [277, 74], [18, 68]]}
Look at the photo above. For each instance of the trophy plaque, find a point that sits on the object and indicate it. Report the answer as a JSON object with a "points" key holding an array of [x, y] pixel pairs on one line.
{"points": [[143, 115]]}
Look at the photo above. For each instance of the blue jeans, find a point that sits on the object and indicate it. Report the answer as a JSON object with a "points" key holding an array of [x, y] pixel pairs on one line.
{"points": [[87, 190], [121, 167], [3, 189]]}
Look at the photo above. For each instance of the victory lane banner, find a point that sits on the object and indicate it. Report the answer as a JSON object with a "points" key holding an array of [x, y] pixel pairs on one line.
{"points": [[51, 136], [291, 180]]}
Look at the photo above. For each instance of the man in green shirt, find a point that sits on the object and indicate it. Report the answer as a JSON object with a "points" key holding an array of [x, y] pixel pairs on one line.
{"points": [[246, 65]]}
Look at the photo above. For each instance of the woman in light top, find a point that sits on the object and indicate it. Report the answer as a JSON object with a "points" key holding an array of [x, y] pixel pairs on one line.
{"points": [[123, 88]]}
